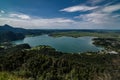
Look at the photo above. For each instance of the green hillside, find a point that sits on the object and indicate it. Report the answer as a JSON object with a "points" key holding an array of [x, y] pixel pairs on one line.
{"points": [[45, 63]]}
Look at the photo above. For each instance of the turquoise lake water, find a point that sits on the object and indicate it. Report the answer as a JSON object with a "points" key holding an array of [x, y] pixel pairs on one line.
{"points": [[63, 44]]}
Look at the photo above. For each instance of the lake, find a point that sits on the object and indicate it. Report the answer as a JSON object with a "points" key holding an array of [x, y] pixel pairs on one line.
{"points": [[63, 44]]}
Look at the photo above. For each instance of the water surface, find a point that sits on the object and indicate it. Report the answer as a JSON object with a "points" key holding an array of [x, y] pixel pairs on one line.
{"points": [[63, 44]]}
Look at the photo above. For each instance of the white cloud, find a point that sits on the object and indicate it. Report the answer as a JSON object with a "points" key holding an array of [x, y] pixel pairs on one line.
{"points": [[94, 17], [60, 23], [79, 8], [95, 1], [37, 22], [21, 16], [116, 16], [102, 16], [1, 11], [111, 8]]}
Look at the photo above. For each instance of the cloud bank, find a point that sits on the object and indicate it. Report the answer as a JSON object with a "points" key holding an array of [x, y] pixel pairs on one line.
{"points": [[92, 16], [26, 21], [101, 16], [78, 8]]}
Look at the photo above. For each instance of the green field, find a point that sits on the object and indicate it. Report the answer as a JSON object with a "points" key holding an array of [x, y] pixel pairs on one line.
{"points": [[80, 34]]}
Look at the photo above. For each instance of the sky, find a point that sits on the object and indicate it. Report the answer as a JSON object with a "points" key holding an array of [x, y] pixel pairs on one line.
{"points": [[61, 14]]}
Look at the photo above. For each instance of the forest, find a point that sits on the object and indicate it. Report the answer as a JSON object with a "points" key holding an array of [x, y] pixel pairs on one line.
{"points": [[21, 62]]}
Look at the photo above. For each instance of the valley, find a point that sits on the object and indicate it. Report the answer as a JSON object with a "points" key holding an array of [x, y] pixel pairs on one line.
{"points": [[43, 62]]}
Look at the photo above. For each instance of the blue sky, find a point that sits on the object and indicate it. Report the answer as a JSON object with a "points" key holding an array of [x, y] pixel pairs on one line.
{"points": [[61, 14]]}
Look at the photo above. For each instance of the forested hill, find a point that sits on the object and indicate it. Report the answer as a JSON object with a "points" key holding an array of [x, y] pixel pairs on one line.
{"points": [[8, 33], [7, 28], [10, 36], [45, 63]]}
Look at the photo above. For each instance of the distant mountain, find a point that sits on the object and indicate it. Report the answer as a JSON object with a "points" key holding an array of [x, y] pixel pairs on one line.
{"points": [[10, 36], [15, 30], [8, 33]]}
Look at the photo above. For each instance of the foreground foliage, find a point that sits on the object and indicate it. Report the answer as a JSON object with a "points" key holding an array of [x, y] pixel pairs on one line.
{"points": [[44, 63], [8, 76]]}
